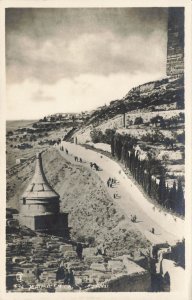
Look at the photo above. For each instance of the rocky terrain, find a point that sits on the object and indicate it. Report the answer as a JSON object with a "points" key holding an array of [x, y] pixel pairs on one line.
{"points": [[159, 95], [156, 122], [92, 214]]}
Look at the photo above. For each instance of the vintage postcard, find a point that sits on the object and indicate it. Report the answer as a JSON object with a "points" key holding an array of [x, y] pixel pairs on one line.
{"points": [[96, 149]]}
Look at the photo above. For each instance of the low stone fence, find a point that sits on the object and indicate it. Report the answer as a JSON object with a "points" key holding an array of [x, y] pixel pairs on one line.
{"points": [[137, 282]]}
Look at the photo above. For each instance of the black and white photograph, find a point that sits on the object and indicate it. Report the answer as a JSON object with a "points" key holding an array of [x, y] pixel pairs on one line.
{"points": [[95, 149]]}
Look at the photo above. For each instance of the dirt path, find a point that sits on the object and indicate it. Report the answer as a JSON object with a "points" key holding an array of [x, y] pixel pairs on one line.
{"points": [[129, 197]]}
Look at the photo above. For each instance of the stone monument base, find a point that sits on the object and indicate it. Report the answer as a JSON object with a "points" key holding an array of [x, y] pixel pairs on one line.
{"points": [[56, 224]]}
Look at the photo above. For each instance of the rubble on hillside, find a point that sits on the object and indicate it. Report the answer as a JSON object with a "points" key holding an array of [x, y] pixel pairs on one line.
{"points": [[33, 264]]}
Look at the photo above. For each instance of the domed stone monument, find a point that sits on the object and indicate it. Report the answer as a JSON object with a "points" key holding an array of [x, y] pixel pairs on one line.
{"points": [[39, 205]]}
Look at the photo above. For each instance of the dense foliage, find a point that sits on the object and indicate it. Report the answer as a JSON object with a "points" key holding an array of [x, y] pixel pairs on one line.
{"points": [[98, 136], [149, 173]]}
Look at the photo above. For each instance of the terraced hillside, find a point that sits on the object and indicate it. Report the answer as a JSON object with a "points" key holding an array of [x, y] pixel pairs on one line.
{"points": [[159, 95], [149, 122]]}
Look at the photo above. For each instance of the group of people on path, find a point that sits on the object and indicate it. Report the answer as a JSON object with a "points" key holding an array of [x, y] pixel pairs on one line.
{"points": [[116, 196], [111, 182], [75, 157], [78, 159], [94, 166], [66, 150], [133, 218]]}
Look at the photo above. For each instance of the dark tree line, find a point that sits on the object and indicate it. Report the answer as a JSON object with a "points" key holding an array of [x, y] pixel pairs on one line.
{"points": [[98, 136], [149, 173]]}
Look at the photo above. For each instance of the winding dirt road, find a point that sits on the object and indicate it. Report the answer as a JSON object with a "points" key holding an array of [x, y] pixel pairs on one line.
{"points": [[167, 227]]}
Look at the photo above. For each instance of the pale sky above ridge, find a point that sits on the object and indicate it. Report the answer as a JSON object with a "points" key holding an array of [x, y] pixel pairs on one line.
{"points": [[71, 60]]}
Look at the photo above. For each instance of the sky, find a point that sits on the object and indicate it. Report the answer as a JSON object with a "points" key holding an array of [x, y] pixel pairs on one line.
{"points": [[76, 59]]}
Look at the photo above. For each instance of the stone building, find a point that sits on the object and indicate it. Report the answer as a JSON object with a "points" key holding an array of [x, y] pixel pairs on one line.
{"points": [[175, 43], [39, 205]]}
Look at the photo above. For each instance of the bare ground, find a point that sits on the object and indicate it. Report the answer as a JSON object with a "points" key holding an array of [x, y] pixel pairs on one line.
{"points": [[92, 212]]}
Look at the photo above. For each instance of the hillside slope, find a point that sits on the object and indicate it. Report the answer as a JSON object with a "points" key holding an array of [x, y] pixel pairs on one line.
{"points": [[91, 211], [147, 128], [156, 95]]}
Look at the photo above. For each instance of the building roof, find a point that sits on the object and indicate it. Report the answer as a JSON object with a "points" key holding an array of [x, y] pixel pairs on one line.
{"points": [[39, 188]]}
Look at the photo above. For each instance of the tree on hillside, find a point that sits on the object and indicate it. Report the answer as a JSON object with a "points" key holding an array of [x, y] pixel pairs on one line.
{"points": [[154, 137], [109, 134], [173, 196], [158, 120], [180, 99], [169, 142], [182, 117], [138, 121], [175, 120], [118, 146], [122, 107], [96, 135], [146, 172], [131, 141], [124, 151], [154, 189], [10, 132], [181, 137], [180, 201], [152, 167], [162, 190], [35, 125], [112, 146], [73, 119], [52, 119], [130, 122]]}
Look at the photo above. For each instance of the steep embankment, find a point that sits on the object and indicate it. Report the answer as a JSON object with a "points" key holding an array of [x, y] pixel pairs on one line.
{"points": [[152, 96], [91, 211]]}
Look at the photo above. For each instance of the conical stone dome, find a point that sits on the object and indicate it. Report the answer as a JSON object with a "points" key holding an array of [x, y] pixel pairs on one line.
{"points": [[39, 188], [39, 205]]}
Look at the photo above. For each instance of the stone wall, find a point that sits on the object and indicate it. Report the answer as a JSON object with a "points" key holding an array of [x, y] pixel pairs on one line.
{"points": [[131, 283], [175, 44], [137, 282]]}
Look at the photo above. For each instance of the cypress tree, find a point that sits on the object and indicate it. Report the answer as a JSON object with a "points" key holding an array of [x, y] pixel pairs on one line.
{"points": [[167, 204], [149, 184], [131, 162], [156, 190], [162, 190], [119, 147], [172, 196], [124, 152], [138, 170], [128, 160], [112, 145], [180, 201]]}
